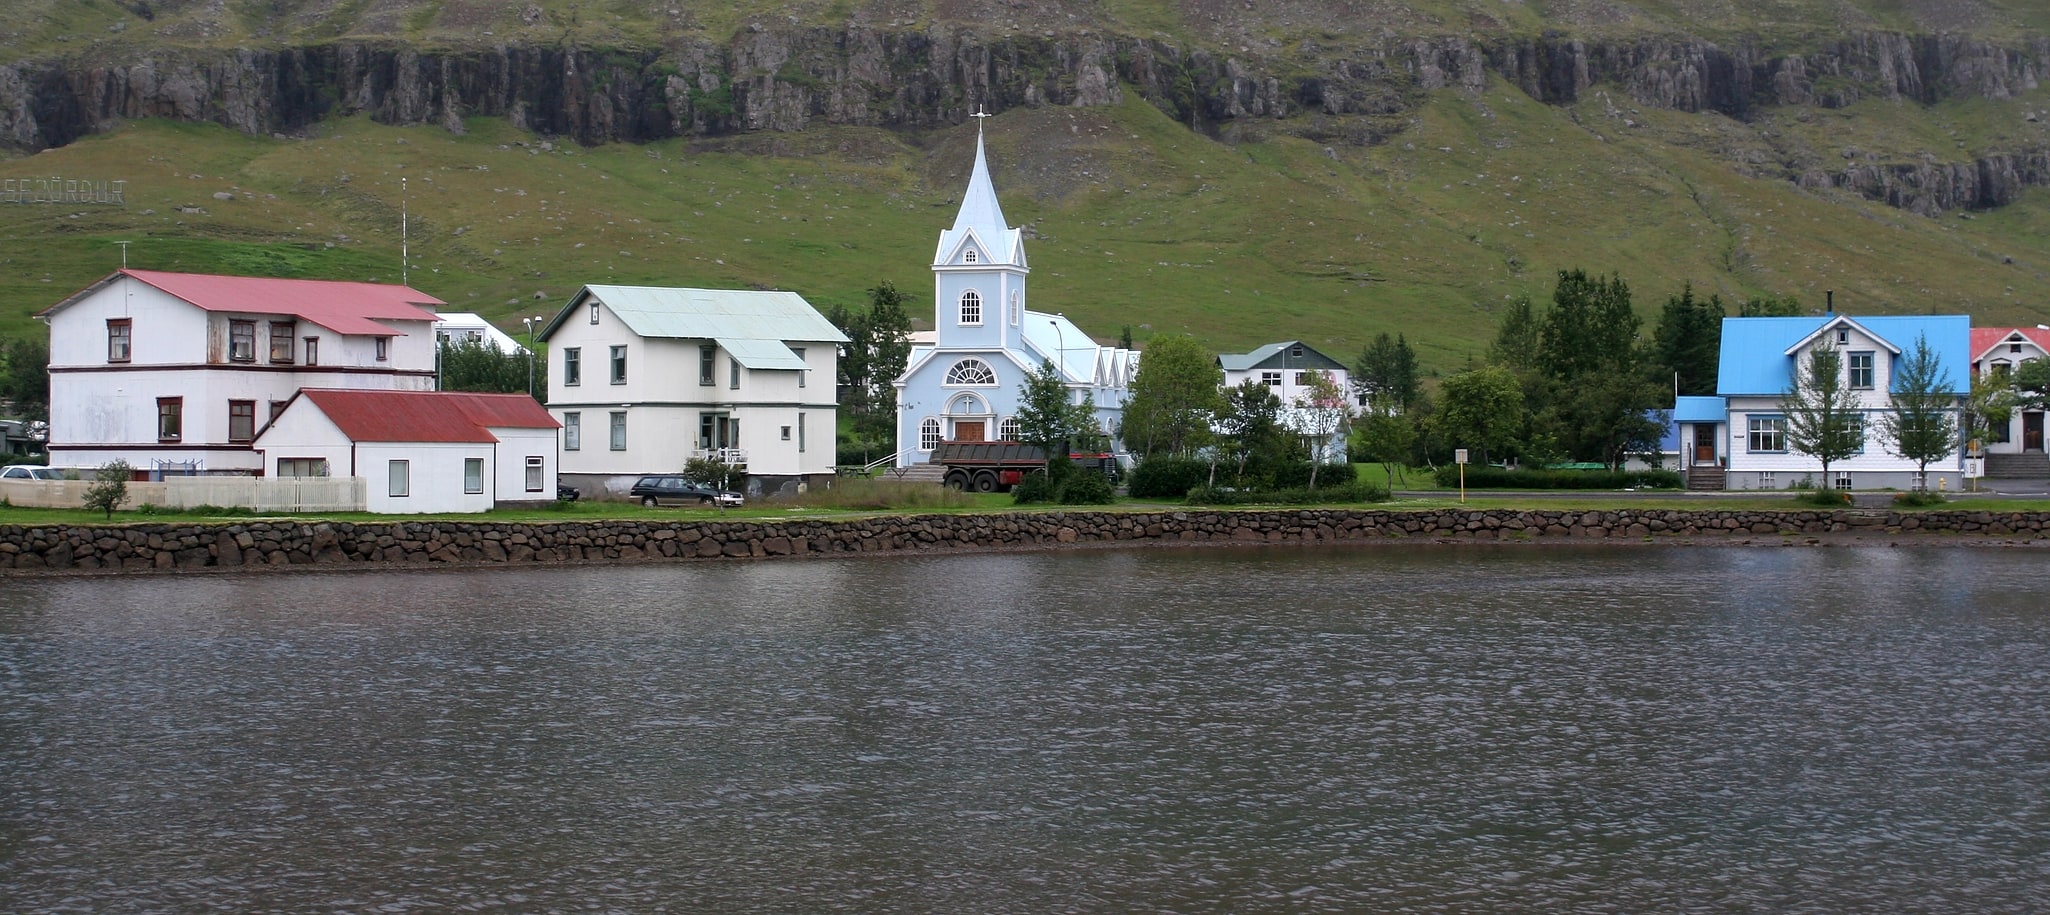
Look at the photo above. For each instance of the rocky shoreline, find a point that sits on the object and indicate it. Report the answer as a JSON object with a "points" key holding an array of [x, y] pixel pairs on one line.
{"points": [[286, 544]]}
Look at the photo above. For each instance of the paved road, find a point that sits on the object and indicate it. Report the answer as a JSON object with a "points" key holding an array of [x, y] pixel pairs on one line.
{"points": [[1986, 488]]}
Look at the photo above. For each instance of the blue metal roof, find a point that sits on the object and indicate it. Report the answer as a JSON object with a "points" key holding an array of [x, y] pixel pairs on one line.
{"points": [[1754, 350], [1700, 410]]}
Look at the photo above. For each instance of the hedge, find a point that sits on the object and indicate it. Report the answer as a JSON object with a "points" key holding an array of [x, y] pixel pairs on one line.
{"points": [[1490, 477]]}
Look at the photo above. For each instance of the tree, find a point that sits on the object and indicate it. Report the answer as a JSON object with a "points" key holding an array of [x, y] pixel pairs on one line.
{"points": [[474, 365], [109, 487], [1990, 406], [1516, 338], [2031, 384], [1921, 424], [1323, 414], [1249, 428], [1688, 342], [1590, 330], [1125, 338], [25, 377], [1823, 420], [1386, 371], [1045, 416], [878, 350], [1770, 307], [1482, 409], [1387, 437], [1173, 398]]}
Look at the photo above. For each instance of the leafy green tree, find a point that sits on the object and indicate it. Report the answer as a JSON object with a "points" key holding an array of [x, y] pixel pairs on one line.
{"points": [[1770, 307], [1046, 416], [25, 377], [474, 365], [1990, 406], [1516, 338], [1386, 370], [1921, 423], [1386, 437], [1481, 409], [2031, 385], [1823, 416], [1591, 329], [1687, 343], [1125, 338], [1249, 429], [1323, 415], [878, 350], [109, 487], [1173, 398]]}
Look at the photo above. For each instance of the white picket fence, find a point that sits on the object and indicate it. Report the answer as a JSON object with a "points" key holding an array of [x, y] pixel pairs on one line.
{"points": [[263, 494]]}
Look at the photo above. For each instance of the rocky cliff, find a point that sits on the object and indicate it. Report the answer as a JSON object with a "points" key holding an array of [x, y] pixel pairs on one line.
{"points": [[767, 80]]}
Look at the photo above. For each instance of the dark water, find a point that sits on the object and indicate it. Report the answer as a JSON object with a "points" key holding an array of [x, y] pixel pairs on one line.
{"points": [[1372, 729]]}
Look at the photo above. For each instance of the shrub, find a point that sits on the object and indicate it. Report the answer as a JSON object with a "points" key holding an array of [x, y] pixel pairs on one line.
{"points": [[1348, 492], [1036, 487], [1490, 477], [1825, 498], [865, 493], [109, 488], [1296, 474], [1086, 489], [1922, 499], [1167, 478]]}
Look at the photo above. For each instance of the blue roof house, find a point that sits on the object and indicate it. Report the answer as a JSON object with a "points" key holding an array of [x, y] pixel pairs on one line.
{"points": [[1757, 370], [965, 386]]}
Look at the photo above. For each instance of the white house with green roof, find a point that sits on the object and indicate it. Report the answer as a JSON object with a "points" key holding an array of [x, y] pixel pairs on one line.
{"points": [[645, 378]]}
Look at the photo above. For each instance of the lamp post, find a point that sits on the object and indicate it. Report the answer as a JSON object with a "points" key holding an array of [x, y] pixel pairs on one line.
{"points": [[530, 322], [1060, 351]]}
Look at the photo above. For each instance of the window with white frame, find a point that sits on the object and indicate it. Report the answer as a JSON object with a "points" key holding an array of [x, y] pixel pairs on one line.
{"points": [[928, 434], [1843, 479], [572, 431], [1008, 429], [1768, 480], [1767, 433], [971, 307], [619, 430], [535, 467], [970, 372], [398, 477], [473, 475], [968, 256], [1856, 422], [1017, 308], [1843, 336], [1861, 370]]}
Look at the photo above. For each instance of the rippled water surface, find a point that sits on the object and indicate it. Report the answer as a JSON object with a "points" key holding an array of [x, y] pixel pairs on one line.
{"points": [[1366, 729]]}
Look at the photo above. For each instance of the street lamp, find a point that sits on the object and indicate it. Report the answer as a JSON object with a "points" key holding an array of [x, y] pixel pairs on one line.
{"points": [[1061, 351], [530, 322]]}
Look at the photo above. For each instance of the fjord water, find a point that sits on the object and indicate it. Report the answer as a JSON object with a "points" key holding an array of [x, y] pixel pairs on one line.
{"points": [[1248, 729]]}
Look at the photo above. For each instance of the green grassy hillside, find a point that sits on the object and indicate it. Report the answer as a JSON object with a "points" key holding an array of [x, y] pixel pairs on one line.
{"points": [[1134, 219]]}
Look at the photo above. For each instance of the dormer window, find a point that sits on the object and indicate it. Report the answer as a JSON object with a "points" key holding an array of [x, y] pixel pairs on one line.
{"points": [[1843, 336], [968, 256], [971, 307]]}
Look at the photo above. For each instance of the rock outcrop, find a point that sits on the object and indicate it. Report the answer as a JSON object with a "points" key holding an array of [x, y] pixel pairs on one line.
{"points": [[767, 80]]}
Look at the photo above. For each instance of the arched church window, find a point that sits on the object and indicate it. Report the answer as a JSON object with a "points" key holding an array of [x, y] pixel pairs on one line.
{"points": [[971, 307], [928, 434], [968, 256], [1017, 308], [1008, 429], [971, 371]]}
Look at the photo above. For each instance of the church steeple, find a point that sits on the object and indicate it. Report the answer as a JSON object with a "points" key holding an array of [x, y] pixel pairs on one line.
{"points": [[979, 207]]}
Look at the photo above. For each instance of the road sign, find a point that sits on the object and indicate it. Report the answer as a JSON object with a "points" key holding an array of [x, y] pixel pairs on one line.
{"points": [[1459, 456]]}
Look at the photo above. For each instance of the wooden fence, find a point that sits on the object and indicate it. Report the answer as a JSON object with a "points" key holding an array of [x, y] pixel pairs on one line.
{"points": [[262, 494]]}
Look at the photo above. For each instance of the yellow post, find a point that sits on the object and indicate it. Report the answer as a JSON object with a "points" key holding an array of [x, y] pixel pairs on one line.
{"points": [[1462, 483]]}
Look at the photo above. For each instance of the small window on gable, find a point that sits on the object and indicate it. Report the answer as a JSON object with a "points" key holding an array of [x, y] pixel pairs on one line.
{"points": [[1017, 308], [968, 256], [120, 335], [1843, 336], [971, 372], [2014, 347], [594, 312]]}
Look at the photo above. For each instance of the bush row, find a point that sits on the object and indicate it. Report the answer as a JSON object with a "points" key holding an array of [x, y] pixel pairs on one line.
{"points": [[1345, 492], [1174, 478], [1489, 477]]}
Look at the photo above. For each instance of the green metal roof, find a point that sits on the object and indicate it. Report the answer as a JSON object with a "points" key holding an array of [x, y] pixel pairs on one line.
{"points": [[729, 316]]}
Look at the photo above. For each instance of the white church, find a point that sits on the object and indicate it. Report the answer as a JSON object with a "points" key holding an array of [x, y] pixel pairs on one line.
{"points": [[965, 386]]}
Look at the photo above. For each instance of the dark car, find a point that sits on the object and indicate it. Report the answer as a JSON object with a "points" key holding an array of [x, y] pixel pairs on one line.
{"points": [[566, 493], [673, 489]]}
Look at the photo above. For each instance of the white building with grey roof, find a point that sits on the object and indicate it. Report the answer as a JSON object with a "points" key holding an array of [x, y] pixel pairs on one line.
{"points": [[646, 378]]}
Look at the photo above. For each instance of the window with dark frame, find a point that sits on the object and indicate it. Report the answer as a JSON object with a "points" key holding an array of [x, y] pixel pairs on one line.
{"points": [[618, 430], [572, 366], [1271, 379], [242, 341], [398, 479], [535, 466], [241, 420], [312, 350], [734, 367], [1861, 370], [473, 476], [383, 349], [572, 431], [708, 368], [120, 336], [619, 364], [281, 335], [170, 418], [799, 352]]}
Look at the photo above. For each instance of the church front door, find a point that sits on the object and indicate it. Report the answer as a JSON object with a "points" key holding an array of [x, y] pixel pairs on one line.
{"points": [[967, 430]]}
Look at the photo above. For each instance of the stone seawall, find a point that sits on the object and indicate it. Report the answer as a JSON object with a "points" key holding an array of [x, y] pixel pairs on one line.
{"points": [[167, 547]]}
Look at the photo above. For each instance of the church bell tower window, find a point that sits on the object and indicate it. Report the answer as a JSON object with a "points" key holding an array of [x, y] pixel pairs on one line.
{"points": [[971, 307]]}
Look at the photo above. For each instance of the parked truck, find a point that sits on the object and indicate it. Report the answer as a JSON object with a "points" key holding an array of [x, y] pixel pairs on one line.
{"points": [[998, 466]]}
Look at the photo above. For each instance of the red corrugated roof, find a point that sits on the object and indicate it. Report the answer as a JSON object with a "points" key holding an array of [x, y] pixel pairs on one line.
{"points": [[427, 416], [341, 306], [1986, 338]]}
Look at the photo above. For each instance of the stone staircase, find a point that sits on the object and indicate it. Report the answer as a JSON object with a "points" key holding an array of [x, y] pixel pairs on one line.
{"points": [[915, 473], [1706, 478], [2009, 466]]}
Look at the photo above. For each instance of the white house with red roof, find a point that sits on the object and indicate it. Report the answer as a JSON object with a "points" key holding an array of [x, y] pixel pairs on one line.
{"points": [[418, 451], [1997, 352], [176, 372]]}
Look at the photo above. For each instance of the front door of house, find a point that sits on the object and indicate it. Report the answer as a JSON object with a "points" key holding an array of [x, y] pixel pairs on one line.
{"points": [[967, 430], [1704, 443], [2032, 431]]}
